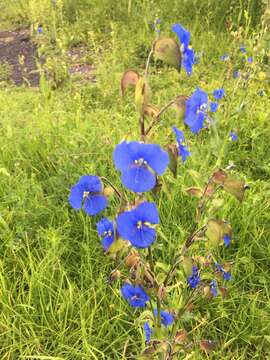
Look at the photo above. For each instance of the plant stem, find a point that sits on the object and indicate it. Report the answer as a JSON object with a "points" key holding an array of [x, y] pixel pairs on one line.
{"points": [[201, 208], [147, 66], [156, 118], [152, 267], [142, 128], [111, 184]]}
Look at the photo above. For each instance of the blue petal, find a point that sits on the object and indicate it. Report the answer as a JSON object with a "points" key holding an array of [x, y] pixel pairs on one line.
{"points": [[94, 204], [224, 57], [155, 157], [147, 332], [227, 240], [242, 49], [182, 33], [188, 60], [124, 155], [218, 94], [135, 295], [127, 290], [127, 224], [227, 275], [213, 288], [107, 242], [104, 225], [90, 183], [233, 136], [198, 123], [147, 212], [138, 178], [213, 106], [183, 152], [236, 74], [76, 197], [127, 228], [179, 135], [166, 318], [143, 237]]}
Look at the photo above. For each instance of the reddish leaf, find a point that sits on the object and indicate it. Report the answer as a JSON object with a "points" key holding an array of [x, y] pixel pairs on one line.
{"points": [[129, 78], [173, 155], [207, 345], [181, 337], [194, 191], [219, 176], [151, 111]]}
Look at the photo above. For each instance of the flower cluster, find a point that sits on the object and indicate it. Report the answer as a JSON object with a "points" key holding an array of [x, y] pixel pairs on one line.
{"points": [[141, 164], [188, 56]]}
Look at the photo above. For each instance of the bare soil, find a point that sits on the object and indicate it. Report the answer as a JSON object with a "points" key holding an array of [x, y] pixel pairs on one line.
{"points": [[20, 53]]}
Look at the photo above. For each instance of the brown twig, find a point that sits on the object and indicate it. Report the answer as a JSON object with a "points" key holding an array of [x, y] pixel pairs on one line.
{"points": [[156, 118], [201, 208], [147, 66]]}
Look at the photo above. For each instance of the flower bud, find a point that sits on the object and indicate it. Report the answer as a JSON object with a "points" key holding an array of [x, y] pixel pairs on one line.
{"points": [[108, 191]]}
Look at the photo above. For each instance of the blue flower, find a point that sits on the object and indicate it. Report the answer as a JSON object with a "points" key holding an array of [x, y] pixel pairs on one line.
{"points": [[139, 163], [233, 136], [137, 225], [250, 59], [218, 94], [227, 240], [194, 279], [188, 60], [135, 295], [182, 33], [213, 106], [236, 74], [224, 57], [166, 318], [196, 107], [40, 29], [213, 288], [188, 55], [105, 230], [147, 332], [88, 190], [182, 149], [226, 274], [243, 49]]}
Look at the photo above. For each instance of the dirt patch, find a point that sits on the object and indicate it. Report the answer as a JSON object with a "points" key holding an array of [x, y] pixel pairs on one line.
{"points": [[79, 64], [18, 56], [19, 53]]}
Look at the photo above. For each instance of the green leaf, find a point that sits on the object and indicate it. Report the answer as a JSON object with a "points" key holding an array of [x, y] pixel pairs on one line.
{"points": [[117, 245], [187, 265], [235, 187], [167, 50], [142, 95], [216, 229]]}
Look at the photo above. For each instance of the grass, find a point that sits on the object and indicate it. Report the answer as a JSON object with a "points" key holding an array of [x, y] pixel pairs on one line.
{"points": [[56, 302]]}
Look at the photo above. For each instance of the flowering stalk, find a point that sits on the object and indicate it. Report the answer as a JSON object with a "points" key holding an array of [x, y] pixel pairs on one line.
{"points": [[140, 164]]}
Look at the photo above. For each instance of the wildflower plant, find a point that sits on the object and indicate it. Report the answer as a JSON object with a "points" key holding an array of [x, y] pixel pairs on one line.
{"points": [[131, 238]]}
